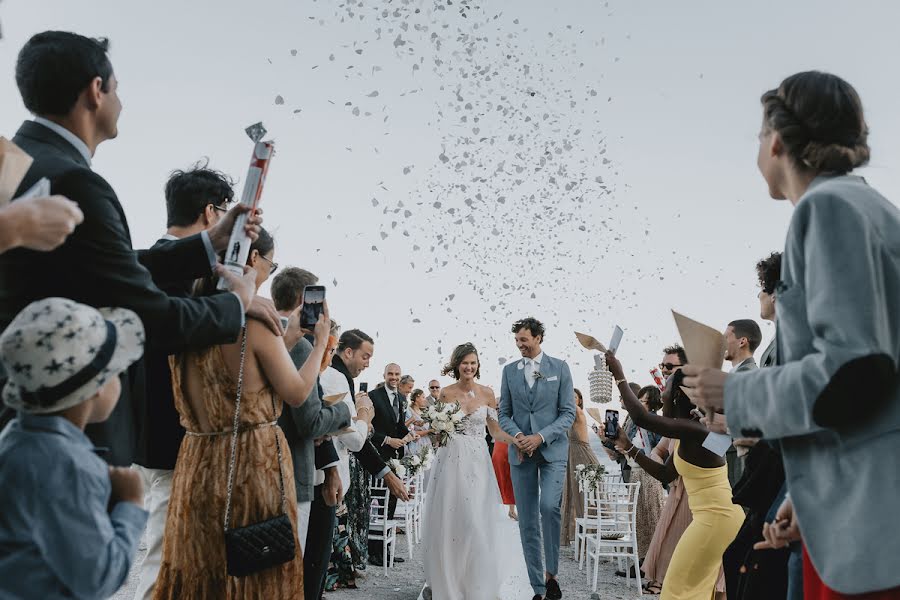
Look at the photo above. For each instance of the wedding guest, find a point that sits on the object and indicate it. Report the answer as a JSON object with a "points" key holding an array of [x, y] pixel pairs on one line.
{"points": [[316, 466], [500, 459], [405, 387], [340, 571], [67, 81], [752, 573], [195, 201], [434, 391], [70, 524], [833, 399], [742, 338], [206, 386], [40, 224], [674, 357], [415, 424], [580, 453], [355, 350], [697, 559], [389, 436]]}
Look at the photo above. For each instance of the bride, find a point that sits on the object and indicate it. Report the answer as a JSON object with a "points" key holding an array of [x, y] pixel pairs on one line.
{"points": [[461, 551]]}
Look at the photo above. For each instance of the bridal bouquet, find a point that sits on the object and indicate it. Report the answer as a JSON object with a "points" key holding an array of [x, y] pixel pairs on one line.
{"points": [[444, 419], [589, 477], [411, 464]]}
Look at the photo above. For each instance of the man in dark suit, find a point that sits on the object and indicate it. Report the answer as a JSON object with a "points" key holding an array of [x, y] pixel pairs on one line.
{"points": [[67, 81], [390, 412], [196, 199]]}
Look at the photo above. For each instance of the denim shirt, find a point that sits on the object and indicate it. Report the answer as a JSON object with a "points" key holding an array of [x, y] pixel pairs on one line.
{"points": [[57, 538]]}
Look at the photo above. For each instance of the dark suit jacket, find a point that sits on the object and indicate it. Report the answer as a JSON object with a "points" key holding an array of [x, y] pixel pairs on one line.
{"points": [[304, 423], [160, 431], [369, 457], [97, 266], [386, 424]]}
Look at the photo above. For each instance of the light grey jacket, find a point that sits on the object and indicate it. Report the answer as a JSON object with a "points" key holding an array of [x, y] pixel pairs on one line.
{"points": [[838, 309], [548, 408]]}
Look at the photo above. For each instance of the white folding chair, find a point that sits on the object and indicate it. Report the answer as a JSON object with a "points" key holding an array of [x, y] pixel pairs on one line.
{"points": [[410, 512], [616, 536], [380, 527], [587, 524]]}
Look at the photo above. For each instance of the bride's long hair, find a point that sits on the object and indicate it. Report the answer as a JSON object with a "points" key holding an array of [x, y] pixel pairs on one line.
{"points": [[459, 353]]}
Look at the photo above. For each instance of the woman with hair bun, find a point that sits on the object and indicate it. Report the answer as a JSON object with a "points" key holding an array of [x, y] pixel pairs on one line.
{"points": [[833, 399]]}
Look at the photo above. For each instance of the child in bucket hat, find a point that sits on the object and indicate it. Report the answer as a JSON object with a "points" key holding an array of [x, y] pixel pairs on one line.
{"points": [[69, 523]]}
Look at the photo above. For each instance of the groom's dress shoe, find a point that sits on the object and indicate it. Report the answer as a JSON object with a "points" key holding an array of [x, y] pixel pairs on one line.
{"points": [[553, 591]]}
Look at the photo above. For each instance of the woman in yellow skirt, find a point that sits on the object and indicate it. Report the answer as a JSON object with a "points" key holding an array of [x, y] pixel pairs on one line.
{"points": [[695, 565]]}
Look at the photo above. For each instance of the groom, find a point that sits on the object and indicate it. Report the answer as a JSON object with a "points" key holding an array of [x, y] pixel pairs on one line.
{"points": [[537, 407]]}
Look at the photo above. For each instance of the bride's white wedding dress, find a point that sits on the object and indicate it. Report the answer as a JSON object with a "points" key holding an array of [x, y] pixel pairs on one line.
{"points": [[462, 524]]}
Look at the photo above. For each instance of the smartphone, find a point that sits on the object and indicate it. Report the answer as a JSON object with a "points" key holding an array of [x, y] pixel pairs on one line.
{"points": [[284, 323], [364, 387], [313, 304], [612, 424], [616, 339]]}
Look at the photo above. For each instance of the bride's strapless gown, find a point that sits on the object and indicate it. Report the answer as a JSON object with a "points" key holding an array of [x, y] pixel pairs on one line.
{"points": [[466, 557]]}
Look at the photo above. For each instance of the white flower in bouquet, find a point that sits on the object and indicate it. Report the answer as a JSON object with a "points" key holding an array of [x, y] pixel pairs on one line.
{"points": [[579, 468], [415, 460], [457, 416], [400, 470]]}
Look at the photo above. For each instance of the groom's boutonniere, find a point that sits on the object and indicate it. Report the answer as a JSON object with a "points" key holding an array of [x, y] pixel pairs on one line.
{"points": [[537, 375]]}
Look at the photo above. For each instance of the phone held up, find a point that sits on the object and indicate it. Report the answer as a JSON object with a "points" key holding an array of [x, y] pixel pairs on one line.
{"points": [[313, 305], [364, 387], [612, 424]]}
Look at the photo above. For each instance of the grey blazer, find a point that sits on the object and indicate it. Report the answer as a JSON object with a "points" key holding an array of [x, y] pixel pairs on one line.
{"points": [[304, 423], [548, 408], [838, 347]]}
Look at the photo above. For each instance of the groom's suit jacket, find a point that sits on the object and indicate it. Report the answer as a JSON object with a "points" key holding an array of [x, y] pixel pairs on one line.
{"points": [[547, 408], [386, 423]]}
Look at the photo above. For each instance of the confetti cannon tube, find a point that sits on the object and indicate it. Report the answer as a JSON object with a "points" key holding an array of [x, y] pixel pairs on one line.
{"points": [[239, 243], [658, 378]]}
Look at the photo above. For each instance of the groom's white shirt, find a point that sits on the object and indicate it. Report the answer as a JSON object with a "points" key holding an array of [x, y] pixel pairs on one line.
{"points": [[531, 366]]}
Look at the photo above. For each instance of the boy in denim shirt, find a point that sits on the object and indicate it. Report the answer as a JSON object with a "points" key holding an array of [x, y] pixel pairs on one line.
{"points": [[69, 523]]}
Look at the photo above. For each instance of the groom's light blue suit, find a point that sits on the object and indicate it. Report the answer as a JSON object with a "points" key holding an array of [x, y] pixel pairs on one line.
{"points": [[546, 408]]}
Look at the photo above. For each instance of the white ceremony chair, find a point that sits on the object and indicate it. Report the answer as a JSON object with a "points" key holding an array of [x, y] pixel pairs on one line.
{"points": [[587, 525], [410, 512], [380, 527], [616, 536]]}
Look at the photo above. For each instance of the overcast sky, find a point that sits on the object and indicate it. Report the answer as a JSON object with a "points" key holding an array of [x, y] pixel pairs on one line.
{"points": [[454, 168]]}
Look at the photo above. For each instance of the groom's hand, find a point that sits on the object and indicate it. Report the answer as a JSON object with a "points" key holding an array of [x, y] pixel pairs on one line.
{"points": [[529, 443]]}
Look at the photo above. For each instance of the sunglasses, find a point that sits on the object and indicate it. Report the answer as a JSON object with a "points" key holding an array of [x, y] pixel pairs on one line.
{"points": [[434, 387], [274, 266], [669, 366]]}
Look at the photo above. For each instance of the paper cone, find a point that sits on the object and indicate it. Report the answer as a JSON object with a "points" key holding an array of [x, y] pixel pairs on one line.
{"points": [[704, 346], [14, 163], [595, 413], [334, 398], [590, 342]]}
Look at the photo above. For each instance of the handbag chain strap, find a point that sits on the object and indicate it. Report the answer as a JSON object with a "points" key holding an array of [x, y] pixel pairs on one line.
{"points": [[234, 434]]}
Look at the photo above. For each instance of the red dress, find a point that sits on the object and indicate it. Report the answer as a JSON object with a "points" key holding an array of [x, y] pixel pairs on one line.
{"points": [[500, 458], [815, 589]]}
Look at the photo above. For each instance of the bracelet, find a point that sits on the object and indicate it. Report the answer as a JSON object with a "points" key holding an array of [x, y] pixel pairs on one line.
{"points": [[620, 381], [630, 449]]}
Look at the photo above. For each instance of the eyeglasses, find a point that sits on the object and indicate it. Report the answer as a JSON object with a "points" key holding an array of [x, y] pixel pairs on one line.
{"points": [[274, 264], [669, 366]]}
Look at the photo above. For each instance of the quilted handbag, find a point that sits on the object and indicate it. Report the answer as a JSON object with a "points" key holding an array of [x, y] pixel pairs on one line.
{"points": [[258, 546]]}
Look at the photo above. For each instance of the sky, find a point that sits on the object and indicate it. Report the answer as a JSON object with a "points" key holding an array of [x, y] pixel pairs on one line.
{"points": [[447, 168]]}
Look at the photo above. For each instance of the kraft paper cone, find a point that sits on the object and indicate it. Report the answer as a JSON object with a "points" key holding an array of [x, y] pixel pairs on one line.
{"points": [[334, 398], [14, 163], [704, 346], [595, 413], [590, 342]]}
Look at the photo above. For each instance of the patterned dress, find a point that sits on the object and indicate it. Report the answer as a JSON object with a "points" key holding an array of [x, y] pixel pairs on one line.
{"points": [[193, 560]]}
